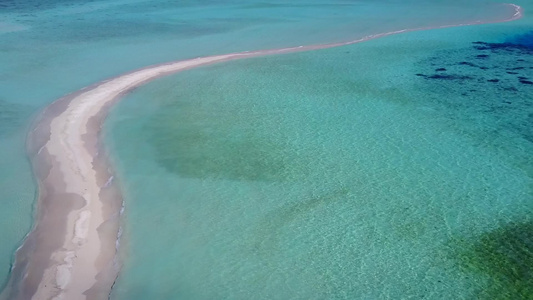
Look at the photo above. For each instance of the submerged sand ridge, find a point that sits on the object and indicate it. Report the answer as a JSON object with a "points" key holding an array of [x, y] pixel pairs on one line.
{"points": [[70, 254]]}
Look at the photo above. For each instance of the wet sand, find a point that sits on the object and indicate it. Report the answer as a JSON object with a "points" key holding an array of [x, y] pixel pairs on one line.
{"points": [[71, 252]]}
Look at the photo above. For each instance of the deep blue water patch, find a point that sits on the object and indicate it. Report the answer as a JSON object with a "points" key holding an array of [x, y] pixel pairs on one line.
{"points": [[518, 43], [524, 40]]}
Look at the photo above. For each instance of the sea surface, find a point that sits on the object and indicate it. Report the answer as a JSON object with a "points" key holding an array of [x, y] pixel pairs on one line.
{"points": [[397, 168]]}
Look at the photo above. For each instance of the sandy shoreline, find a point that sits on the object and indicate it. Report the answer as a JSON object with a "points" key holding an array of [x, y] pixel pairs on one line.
{"points": [[70, 254]]}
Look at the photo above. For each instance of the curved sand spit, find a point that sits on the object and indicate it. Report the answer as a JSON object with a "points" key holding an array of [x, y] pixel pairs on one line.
{"points": [[70, 254]]}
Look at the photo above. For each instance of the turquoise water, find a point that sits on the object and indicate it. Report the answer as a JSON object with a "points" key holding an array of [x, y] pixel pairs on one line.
{"points": [[332, 174], [361, 172]]}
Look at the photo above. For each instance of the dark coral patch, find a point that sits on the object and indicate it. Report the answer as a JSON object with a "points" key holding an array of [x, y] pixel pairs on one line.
{"points": [[483, 68], [482, 56], [466, 63], [449, 77], [493, 80], [440, 70], [513, 73], [526, 81], [501, 46]]}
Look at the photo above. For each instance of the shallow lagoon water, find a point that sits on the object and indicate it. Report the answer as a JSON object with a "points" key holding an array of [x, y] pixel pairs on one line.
{"points": [[345, 173], [280, 208]]}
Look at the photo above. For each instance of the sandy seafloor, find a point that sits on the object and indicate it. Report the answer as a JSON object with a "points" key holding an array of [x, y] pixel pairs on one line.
{"points": [[361, 172], [365, 171]]}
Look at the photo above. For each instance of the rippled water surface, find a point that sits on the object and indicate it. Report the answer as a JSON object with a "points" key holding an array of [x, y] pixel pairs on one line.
{"points": [[396, 168]]}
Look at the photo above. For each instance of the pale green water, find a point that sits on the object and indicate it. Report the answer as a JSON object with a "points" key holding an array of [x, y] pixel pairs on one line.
{"points": [[317, 175], [335, 174]]}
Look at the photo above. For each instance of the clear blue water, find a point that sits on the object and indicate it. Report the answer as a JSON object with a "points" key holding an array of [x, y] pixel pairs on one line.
{"points": [[333, 174], [361, 172]]}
